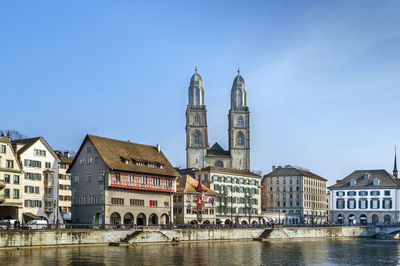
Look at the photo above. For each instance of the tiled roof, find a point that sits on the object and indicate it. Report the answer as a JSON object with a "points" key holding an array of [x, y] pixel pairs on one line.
{"points": [[217, 150], [63, 158], [365, 178], [229, 170], [28, 143], [112, 151], [186, 183], [292, 171]]}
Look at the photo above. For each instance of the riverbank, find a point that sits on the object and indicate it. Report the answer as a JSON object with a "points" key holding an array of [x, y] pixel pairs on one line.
{"points": [[51, 238]]}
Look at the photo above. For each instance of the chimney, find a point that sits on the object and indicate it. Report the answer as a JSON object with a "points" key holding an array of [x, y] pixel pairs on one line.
{"points": [[158, 148], [67, 154], [273, 168]]}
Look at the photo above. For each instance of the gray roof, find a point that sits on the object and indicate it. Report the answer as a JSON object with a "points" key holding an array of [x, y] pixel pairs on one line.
{"points": [[196, 80], [292, 171], [365, 178], [238, 81], [217, 150]]}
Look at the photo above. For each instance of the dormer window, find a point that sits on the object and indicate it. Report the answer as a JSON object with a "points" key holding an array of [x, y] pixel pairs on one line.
{"points": [[376, 181], [124, 160], [139, 163], [352, 182]]}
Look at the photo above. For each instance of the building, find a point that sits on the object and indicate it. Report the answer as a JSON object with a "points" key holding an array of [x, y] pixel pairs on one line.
{"points": [[294, 195], [40, 182], [10, 182], [238, 198], [198, 152], [116, 181], [194, 203], [365, 197], [64, 186]]}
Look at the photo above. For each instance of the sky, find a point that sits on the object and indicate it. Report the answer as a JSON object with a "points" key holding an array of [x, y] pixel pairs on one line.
{"points": [[322, 77]]}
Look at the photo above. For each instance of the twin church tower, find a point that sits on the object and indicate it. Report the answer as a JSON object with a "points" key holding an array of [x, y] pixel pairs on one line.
{"points": [[198, 152]]}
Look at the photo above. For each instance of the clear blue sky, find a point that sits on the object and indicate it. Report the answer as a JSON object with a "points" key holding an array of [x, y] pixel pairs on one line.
{"points": [[322, 76]]}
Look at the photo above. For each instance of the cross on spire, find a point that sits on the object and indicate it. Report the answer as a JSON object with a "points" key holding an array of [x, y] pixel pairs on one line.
{"points": [[395, 172]]}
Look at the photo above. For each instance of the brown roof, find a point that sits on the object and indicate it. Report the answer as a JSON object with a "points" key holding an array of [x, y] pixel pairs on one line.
{"points": [[365, 178], [229, 170], [63, 158], [114, 151], [28, 143], [186, 183], [292, 171]]}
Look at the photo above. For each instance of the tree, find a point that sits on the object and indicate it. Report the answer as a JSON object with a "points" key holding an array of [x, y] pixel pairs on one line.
{"points": [[14, 134]]}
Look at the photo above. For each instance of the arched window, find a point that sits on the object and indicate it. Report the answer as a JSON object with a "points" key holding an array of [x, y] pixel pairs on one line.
{"points": [[219, 164], [196, 96], [240, 121], [240, 139], [197, 138], [240, 100]]}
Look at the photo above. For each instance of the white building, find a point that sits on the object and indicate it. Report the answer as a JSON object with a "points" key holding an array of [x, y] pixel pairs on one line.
{"points": [[365, 197], [40, 178]]}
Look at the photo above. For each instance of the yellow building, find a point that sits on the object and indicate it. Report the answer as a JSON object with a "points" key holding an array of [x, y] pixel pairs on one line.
{"points": [[10, 182]]}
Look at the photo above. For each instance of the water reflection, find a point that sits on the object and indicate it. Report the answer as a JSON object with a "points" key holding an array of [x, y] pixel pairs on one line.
{"points": [[299, 252]]}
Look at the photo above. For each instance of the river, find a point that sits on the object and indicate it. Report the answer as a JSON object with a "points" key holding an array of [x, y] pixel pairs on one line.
{"points": [[294, 252]]}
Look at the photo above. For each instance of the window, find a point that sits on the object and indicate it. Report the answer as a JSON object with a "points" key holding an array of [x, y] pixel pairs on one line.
{"points": [[351, 193], [197, 138], [96, 159], [32, 163], [136, 202], [76, 179], [240, 139], [376, 181], [7, 193], [88, 149], [10, 164], [374, 204], [6, 178], [81, 161], [340, 204], [219, 164], [387, 203], [387, 192], [340, 193], [88, 178], [153, 203], [39, 152], [48, 165], [3, 148], [352, 182], [351, 204], [33, 176], [117, 201], [16, 179], [196, 119], [375, 193], [363, 193], [240, 121]]}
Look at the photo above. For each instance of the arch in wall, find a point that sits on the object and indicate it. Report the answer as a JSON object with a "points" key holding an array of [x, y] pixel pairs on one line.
{"points": [[164, 219], [115, 218], [128, 218], [375, 219], [141, 219], [386, 219], [219, 164], [240, 139], [153, 219]]}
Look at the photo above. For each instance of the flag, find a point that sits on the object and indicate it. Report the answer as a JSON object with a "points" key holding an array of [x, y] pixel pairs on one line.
{"points": [[212, 202]]}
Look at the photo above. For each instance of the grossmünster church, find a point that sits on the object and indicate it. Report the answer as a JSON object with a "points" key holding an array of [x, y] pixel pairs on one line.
{"points": [[198, 152]]}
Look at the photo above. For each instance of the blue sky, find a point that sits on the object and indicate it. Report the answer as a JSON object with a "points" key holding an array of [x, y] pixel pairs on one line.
{"points": [[322, 77]]}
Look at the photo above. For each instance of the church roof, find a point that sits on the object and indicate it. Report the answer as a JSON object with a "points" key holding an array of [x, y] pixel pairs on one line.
{"points": [[196, 79], [238, 81], [217, 150]]}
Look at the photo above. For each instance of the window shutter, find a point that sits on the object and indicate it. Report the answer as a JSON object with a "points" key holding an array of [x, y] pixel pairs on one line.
{"points": [[378, 203], [337, 193], [359, 204], [390, 204], [348, 204], [337, 204], [383, 204]]}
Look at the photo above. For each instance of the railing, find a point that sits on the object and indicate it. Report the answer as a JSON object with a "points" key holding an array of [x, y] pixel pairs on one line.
{"points": [[130, 185]]}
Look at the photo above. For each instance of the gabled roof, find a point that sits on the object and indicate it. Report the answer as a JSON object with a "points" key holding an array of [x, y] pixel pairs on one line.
{"points": [[365, 179], [216, 149], [293, 171], [63, 158], [112, 152], [186, 183], [29, 142], [228, 171]]}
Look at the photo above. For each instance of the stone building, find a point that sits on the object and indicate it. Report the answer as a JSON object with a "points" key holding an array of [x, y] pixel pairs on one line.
{"points": [[365, 197], [294, 195], [198, 152], [64, 186], [193, 202], [239, 199], [10, 182], [40, 183], [116, 181]]}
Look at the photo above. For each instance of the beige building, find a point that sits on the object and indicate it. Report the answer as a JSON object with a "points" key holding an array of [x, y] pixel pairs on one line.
{"points": [[239, 197], [64, 186], [292, 195], [10, 182], [120, 182], [193, 202]]}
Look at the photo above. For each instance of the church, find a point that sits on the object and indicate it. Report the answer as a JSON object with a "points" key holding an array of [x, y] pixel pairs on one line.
{"points": [[198, 152]]}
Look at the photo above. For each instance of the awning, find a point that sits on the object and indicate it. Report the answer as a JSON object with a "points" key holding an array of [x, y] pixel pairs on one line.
{"points": [[363, 218], [218, 221], [30, 216]]}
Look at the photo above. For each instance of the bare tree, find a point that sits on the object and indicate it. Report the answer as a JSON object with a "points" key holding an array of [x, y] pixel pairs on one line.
{"points": [[14, 134]]}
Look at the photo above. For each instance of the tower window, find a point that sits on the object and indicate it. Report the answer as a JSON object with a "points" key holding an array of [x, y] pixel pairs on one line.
{"points": [[196, 119], [219, 164], [240, 139], [197, 96], [197, 138], [240, 121]]}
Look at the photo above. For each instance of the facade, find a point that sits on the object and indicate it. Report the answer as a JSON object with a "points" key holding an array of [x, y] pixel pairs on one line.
{"points": [[40, 182], [120, 182], [194, 203], [198, 152], [64, 186], [365, 197], [296, 195], [238, 200], [10, 182]]}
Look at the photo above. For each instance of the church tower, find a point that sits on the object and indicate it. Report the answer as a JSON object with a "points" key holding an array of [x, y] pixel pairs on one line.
{"points": [[196, 124], [239, 125]]}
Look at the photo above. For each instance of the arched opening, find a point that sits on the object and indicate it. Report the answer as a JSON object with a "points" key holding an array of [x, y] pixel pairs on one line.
{"points": [[227, 221], [240, 121], [153, 219], [219, 164], [240, 98], [386, 219], [197, 138], [206, 222], [193, 222], [141, 219], [128, 218], [244, 222], [363, 219], [196, 96], [240, 139], [164, 219], [115, 218], [98, 220], [375, 219], [196, 119], [340, 219], [351, 219], [254, 222]]}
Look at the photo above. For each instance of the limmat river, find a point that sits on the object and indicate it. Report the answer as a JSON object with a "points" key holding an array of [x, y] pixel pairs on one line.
{"points": [[294, 252]]}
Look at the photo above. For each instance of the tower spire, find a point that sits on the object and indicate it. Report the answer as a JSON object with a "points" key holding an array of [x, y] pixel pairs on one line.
{"points": [[395, 172]]}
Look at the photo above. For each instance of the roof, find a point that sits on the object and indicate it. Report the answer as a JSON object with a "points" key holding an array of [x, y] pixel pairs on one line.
{"points": [[238, 81], [63, 158], [293, 171], [365, 178], [196, 80], [216, 149], [229, 171], [27, 143], [112, 152], [186, 183]]}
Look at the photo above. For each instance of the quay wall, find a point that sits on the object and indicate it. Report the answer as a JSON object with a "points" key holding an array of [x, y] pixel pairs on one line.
{"points": [[31, 238]]}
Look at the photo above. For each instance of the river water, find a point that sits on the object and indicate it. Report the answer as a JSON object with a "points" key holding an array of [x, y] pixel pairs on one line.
{"points": [[295, 252]]}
